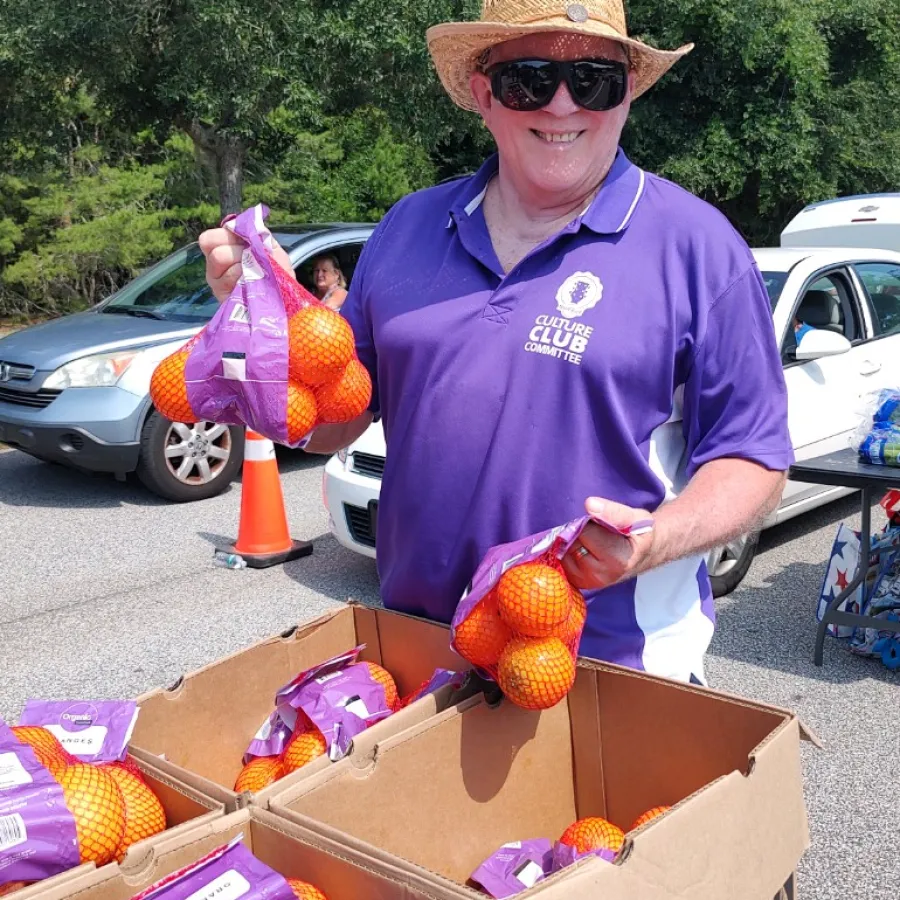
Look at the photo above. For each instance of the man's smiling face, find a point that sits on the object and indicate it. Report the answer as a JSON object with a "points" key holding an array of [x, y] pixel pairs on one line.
{"points": [[561, 150]]}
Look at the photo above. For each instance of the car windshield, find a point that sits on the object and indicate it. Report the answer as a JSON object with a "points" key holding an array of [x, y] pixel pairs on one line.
{"points": [[174, 290], [774, 285]]}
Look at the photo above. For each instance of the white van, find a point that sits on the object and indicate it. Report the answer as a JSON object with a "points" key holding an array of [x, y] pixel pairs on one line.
{"points": [[866, 221]]}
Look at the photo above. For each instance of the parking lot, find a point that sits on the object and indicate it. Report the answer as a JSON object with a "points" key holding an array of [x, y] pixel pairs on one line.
{"points": [[106, 591]]}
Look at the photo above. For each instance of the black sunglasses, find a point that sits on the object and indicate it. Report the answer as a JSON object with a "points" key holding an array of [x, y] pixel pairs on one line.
{"points": [[525, 85]]}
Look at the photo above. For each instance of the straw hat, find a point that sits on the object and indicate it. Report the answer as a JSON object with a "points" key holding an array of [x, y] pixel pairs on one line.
{"points": [[456, 46]]}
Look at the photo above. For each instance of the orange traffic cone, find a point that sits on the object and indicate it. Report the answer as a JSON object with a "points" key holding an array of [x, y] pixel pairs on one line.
{"points": [[263, 538]]}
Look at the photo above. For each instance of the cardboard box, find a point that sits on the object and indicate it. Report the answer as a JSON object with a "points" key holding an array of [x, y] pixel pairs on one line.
{"points": [[439, 798], [290, 849], [202, 725], [185, 809]]}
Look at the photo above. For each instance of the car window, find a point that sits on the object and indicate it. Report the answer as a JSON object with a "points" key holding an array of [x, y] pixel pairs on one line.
{"points": [[774, 285], [826, 303], [176, 291], [347, 256], [882, 284]]}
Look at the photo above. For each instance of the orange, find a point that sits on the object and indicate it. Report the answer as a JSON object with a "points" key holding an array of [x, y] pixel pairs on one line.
{"points": [[49, 751], [536, 673], [648, 816], [168, 389], [347, 397], [12, 886], [307, 744], [94, 799], [304, 891], [570, 632], [260, 772], [320, 345], [144, 814], [593, 834], [301, 411], [386, 680], [535, 599], [480, 639]]}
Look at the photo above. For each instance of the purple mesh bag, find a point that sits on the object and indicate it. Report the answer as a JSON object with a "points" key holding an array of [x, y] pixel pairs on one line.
{"points": [[339, 696], [228, 873], [94, 731], [37, 831], [237, 367], [515, 867]]}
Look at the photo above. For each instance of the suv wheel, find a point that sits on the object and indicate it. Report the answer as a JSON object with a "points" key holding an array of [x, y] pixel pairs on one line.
{"points": [[727, 565], [183, 462]]}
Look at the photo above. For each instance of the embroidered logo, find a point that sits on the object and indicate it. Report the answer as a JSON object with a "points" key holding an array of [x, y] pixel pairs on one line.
{"points": [[559, 336]]}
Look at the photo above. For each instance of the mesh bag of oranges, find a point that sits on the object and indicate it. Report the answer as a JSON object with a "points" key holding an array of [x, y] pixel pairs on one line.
{"points": [[57, 812], [520, 620], [273, 358], [221, 871]]}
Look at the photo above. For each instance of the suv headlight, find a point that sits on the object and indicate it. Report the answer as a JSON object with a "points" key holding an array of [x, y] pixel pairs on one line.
{"points": [[101, 370]]}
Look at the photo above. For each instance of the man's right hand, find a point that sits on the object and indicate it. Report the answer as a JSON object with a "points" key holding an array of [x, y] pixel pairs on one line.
{"points": [[223, 250]]}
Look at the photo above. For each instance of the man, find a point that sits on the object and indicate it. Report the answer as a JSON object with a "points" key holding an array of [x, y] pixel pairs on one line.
{"points": [[559, 332]]}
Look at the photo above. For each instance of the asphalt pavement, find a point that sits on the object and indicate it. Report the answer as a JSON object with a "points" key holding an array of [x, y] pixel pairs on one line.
{"points": [[107, 592]]}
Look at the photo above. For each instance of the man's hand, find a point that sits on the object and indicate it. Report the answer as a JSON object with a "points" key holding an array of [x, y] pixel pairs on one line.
{"points": [[599, 557], [223, 250], [725, 499]]}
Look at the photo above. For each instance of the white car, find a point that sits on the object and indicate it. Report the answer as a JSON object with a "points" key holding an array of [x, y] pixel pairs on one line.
{"points": [[851, 297]]}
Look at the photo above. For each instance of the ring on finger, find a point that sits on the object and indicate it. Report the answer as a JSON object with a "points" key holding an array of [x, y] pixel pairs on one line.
{"points": [[581, 551]]}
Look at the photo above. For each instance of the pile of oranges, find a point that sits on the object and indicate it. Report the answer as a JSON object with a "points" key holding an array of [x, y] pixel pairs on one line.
{"points": [[597, 833], [304, 891], [307, 742], [327, 384], [525, 632], [112, 804]]}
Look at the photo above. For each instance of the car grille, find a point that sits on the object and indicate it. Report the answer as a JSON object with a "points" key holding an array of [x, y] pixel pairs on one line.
{"points": [[16, 371], [32, 399], [367, 464], [359, 525]]}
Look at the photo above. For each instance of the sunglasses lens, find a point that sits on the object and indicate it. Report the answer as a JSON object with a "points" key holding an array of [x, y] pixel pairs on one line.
{"points": [[526, 85], [598, 86]]}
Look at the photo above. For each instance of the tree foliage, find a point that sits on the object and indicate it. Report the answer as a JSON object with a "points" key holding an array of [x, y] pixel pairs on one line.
{"points": [[127, 126]]}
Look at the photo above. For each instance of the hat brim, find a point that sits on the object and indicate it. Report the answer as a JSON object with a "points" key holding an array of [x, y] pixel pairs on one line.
{"points": [[456, 46]]}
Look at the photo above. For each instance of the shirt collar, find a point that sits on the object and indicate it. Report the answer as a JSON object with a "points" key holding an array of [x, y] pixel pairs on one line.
{"points": [[610, 212]]}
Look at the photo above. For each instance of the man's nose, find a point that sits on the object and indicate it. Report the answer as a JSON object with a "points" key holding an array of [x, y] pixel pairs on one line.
{"points": [[562, 103]]}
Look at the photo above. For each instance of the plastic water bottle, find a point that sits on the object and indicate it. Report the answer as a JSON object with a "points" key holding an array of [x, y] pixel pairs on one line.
{"points": [[229, 560]]}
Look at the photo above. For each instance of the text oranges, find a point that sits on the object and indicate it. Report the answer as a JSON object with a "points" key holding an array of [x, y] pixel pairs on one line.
{"points": [[536, 673], [534, 599], [98, 807], [144, 814], [259, 773], [347, 397], [482, 636], [168, 389], [593, 833], [320, 345], [304, 891]]}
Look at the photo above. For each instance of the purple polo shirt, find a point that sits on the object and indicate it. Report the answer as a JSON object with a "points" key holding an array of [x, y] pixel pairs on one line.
{"points": [[614, 360]]}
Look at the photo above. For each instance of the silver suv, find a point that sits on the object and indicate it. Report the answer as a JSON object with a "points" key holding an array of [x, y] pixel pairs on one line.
{"points": [[75, 390]]}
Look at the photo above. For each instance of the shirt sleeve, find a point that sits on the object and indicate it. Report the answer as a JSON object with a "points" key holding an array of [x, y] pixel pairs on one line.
{"points": [[735, 397], [357, 309]]}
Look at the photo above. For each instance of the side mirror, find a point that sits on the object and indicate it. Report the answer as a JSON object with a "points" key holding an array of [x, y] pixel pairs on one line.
{"points": [[819, 343]]}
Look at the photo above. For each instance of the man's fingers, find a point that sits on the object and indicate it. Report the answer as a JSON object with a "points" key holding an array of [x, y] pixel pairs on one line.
{"points": [[220, 259], [214, 237], [616, 514]]}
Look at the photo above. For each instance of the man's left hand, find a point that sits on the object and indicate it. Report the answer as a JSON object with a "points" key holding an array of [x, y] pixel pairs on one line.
{"points": [[599, 557]]}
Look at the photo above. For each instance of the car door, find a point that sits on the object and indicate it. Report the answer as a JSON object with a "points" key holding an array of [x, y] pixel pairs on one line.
{"points": [[824, 394], [879, 285]]}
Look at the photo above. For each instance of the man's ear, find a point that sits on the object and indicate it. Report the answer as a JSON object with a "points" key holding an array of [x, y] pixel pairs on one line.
{"points": [[480, 85]]}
